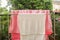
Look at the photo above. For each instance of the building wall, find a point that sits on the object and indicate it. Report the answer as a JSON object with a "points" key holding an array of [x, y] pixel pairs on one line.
{"points": [[56, 4]]}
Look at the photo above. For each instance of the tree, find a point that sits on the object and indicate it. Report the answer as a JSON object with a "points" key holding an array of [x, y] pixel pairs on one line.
{"points": [[4, 21], [31, 4]]}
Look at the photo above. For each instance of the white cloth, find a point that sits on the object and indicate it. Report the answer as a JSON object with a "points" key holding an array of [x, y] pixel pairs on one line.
{"points": [[32, 26]]}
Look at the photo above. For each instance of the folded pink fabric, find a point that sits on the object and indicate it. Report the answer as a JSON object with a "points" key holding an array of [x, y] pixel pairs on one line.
{"points": [[30, 24], [15, 36]]}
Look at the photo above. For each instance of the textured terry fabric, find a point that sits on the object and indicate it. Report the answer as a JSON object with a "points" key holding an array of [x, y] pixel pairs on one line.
{"points": [[30, 25]]}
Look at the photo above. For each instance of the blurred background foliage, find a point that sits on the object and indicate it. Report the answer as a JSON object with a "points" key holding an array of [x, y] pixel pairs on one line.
{"points": [[26, 4], [31, 4], [4, 23], [57, 25]]}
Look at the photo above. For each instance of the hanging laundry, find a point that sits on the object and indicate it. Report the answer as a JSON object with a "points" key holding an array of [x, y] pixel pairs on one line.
{"points": [[30, 25]]}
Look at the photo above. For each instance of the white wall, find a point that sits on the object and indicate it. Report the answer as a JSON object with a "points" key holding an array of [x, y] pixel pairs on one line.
{"points": [[56, 0], [55, 6]]}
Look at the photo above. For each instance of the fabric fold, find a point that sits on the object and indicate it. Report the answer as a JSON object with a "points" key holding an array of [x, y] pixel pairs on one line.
{"points": [[30, 25]]}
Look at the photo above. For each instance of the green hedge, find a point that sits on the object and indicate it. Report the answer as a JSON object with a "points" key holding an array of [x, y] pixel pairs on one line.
{"points": [[32, 4]]}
